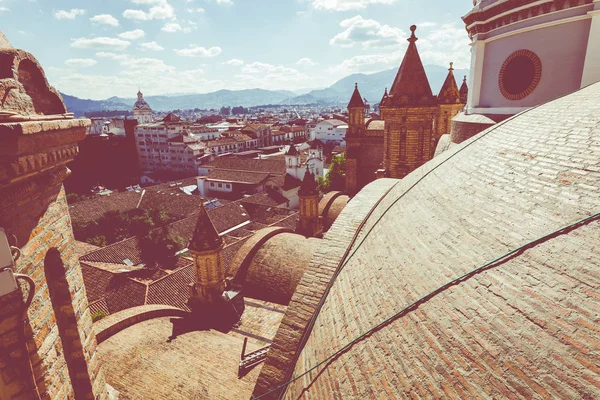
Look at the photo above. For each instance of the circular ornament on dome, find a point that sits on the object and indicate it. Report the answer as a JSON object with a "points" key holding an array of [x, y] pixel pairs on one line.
{"points": [[520, 74]]}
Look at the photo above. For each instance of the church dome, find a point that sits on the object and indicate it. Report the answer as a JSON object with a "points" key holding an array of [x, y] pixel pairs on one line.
{"points": [[140, 104], [475, 276]]}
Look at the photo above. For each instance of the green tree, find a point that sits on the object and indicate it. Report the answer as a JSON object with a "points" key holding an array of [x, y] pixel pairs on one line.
{"points": [[99, 241], [336, 176], [158, 248]]}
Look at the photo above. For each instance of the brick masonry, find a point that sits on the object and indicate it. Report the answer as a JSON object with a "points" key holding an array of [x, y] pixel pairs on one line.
{"points": [[61, 361], [525, 328]]}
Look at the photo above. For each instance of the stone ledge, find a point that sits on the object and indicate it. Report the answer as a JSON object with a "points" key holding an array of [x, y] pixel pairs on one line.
{"points": [[117, 322]]}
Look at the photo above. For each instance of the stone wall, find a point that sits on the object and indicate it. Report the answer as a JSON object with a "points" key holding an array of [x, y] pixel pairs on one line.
{"points": [[50, 351]]}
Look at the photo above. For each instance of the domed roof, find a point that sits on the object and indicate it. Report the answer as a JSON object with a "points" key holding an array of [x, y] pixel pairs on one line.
{"points": [[412, 308], [272, 270], [141, 104]]}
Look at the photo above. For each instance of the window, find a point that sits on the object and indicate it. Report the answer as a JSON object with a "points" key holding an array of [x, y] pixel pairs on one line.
{"points": [[220, 185], [228, 186]]}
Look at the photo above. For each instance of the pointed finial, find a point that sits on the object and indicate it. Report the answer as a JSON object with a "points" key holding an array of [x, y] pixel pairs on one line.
{"points": [[413, 38], [385, 92], [465, 79], [355, 85], [451, 66]]}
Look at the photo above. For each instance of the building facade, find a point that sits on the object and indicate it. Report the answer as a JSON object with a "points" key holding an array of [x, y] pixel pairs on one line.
{"points": [[330, 131], [172, 145]]}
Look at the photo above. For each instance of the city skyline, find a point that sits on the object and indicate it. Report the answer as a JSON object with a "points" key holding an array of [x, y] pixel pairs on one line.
{"points": [[198, 46]]}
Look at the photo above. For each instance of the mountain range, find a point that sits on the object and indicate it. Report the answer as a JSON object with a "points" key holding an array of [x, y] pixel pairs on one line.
{"points": [[371, 87]]}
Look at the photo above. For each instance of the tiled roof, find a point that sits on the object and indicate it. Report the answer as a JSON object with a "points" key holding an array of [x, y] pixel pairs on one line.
{"points": [[285, 182], [524, 327], [270, 198], [273, 166], [94, 208], [247, 177]]}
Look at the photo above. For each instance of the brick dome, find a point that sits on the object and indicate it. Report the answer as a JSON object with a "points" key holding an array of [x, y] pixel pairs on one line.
{"points": [[526, 326]]}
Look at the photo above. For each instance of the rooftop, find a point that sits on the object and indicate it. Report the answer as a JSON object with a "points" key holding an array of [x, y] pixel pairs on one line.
{"points": [[145, 361]]}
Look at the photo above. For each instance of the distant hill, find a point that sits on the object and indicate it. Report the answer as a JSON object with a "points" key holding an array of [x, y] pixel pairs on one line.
{"points": [[81, 106], [218, 99], [371, 86]]}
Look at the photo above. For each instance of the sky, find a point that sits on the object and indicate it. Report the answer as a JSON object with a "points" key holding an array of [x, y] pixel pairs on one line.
{"points": [[101, 48]]}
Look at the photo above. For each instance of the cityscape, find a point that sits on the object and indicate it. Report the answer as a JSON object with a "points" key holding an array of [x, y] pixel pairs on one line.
{"points": [[309, 201]]}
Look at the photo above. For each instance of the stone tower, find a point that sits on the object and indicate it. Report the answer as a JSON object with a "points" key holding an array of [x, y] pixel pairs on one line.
{"points": [[47, 345], [141, 110], [309, 224], [205, 247], [409, 111], [356, 127], [450, 103]]}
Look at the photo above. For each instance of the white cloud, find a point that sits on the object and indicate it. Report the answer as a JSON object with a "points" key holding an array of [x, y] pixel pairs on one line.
{"points": [[105, 19], [345, 5], [450, 42], [71, 14], [161, 9], [132, 35], [158, 76], [135, 14], [80, 62], [368, 33], [171, 27], [4, 9], [101, 43], [224, 2], [196, 10], [367, 63], [197, 51], [113, 56], [153, 46], [269, 76], [234, 61], [440, 46], [307, 62]]}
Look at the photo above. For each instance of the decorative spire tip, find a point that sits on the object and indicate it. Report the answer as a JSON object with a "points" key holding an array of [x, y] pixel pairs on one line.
{"points": [[413, 38], [451, 66]]}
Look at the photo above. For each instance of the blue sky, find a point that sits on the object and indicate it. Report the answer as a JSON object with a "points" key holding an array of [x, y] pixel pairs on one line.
{"points": [[100, 48]]}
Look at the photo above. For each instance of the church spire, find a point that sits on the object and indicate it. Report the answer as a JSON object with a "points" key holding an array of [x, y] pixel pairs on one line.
{"points": [[356, 99], [205, 236], [464, 91], [449, 93], [309, 185], [411, 81]]}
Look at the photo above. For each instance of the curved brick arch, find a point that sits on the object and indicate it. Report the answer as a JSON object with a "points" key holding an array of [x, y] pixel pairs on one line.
{"points": [[245, 254]]}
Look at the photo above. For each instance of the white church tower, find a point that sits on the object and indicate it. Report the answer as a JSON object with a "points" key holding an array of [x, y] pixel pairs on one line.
{"points": [[141, 110]]}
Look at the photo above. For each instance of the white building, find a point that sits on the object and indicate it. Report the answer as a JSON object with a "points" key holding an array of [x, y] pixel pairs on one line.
{"points": [[170, 145], [141, 110], [330, 130]]}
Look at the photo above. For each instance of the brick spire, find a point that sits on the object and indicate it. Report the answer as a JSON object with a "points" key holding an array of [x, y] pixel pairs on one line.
{"points": [[411, 81], [356, 99], [449, 93], [464, 91], [205, 235], [309, 185]]}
